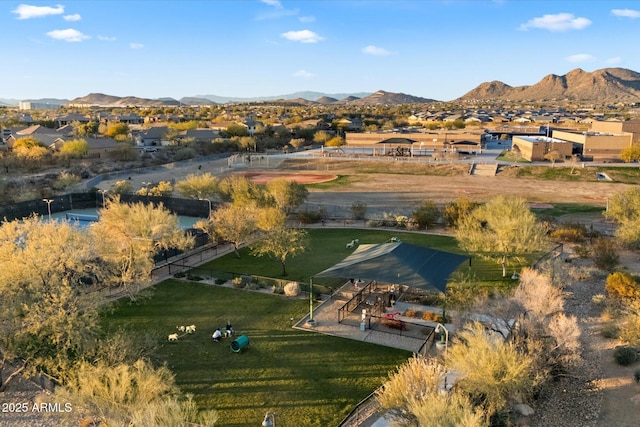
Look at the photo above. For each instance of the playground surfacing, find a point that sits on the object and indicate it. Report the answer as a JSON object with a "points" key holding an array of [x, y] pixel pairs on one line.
{"points": [[263, 177]]}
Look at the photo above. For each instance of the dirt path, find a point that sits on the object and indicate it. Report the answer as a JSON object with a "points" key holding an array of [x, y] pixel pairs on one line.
{"points": [[597, 392]]}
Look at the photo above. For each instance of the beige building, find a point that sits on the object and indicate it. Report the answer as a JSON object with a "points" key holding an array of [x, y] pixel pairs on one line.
{"points": [[598, 146], [617, 127], [535, 148], [415, 143]]}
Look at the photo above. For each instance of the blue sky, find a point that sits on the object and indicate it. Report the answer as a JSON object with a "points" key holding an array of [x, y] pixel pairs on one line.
{"points": [[245, 48]]}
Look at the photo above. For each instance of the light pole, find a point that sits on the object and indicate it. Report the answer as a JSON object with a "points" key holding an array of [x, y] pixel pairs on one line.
{"points": [[48, 202], [440, 327], [269, 419], [311, 320]]}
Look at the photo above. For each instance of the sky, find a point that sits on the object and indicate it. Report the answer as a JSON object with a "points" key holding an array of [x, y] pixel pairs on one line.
{"points": [[436, 49]]}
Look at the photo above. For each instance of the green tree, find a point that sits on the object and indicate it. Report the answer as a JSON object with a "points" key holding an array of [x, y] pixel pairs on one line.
{"points": [[412, 396], [243, 192], [358, 210], [624, 208], [297, 143], [30, 150], [457, 209], [553, 156], [426, 215], [121, 187], [630, 154], [282, 244], [321, 137], [501, 230], [287, 195], [114, 130], [75, 148], [247, 143], [336, 141], [132, 395], [235, 224], [491, 370], [622, 286], [235, 130], [129, 235], [47, 310]]}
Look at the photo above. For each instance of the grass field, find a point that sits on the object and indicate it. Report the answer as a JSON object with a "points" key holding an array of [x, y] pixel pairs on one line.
{"points": [[307, 379], [328, 248]]}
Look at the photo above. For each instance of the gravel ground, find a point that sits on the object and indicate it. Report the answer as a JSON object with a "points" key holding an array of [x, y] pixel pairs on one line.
{"points": [[575, 399]]}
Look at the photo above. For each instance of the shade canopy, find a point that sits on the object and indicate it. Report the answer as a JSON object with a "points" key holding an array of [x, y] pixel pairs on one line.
{"points": [[400, 263]]}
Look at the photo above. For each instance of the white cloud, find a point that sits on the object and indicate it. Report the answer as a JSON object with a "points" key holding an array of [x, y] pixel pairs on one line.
{"points": [[580, 57], [136, 45], [375, 51], [557, 22], [304, 74], [614, 61], [275, 3], [68, 35], [307, 18], [74, 17], [302, 36], [27, 11], [626, 13], [106, 39]]}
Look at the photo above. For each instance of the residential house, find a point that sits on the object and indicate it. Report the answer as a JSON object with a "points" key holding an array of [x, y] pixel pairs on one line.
{"points": [[154, 136]]}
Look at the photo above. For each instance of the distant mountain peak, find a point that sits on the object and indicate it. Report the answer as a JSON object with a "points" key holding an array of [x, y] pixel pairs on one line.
{"points": [[604, 85]]}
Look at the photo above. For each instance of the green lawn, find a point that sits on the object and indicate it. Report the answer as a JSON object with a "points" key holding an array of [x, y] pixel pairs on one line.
{"points": [[304, 377], [328, 247]]}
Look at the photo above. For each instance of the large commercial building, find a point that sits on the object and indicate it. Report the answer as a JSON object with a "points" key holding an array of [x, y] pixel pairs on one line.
{"points": [[597, 146], [538, 148]]}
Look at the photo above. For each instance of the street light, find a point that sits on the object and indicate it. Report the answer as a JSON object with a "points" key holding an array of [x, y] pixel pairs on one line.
{"points": [[48, 202], [311, 320], [440, 327], [269, 420]]}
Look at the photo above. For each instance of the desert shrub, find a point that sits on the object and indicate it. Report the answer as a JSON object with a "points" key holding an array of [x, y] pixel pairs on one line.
{"points": [[237, 282], [220, 281], [252, 286], [605, 256], [636, 375], [630, 328], [358, 210], [580, 273], [410, 312], [277, 289], [430, 316], [609, 330], [292, 289], [401, 221], [599, 299], [570, 232], [374, 223], [583, 251], [310, 217], [622, 286], [625, 355], [185, 153], [426, 215]]}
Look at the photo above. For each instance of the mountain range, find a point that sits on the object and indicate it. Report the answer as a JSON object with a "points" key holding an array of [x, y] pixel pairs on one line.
{"points": [[604, 85]]}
